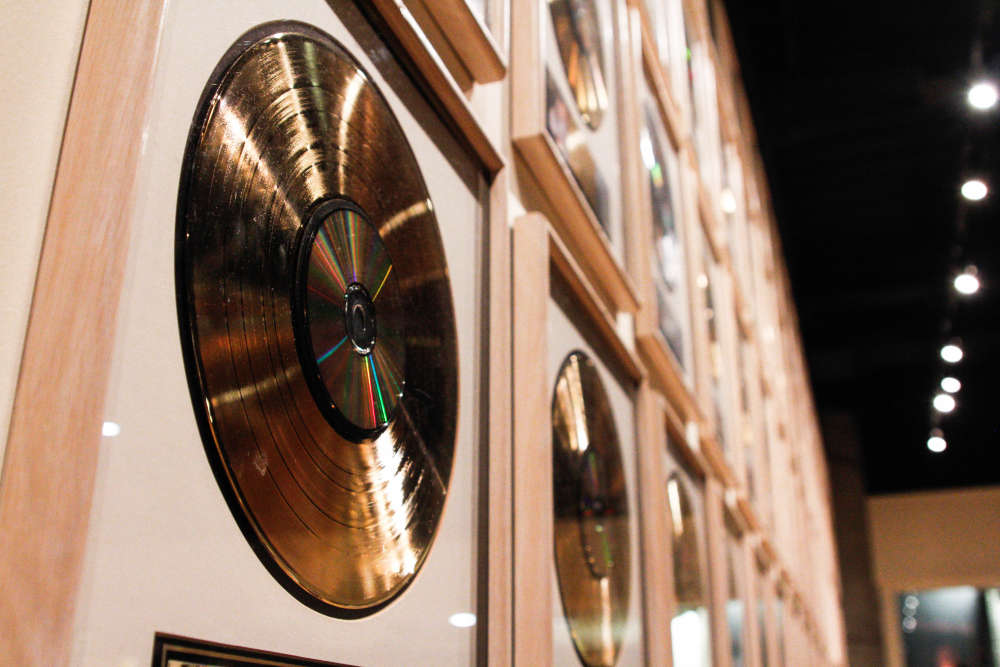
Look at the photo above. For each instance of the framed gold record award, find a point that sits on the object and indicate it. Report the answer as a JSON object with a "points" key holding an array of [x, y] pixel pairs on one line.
{"points": [[577, 550], [659, 248], [295, 374], [569, 76]]}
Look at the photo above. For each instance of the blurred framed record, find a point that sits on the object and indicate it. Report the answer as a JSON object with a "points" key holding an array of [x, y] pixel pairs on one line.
{"points": [[568, 74], [310, 453], [662, 227], [577, 543]]}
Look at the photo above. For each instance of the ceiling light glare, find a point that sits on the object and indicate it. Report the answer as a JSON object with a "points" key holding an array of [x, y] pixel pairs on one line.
{"points": [[982, 96], [967, 282], [950, 384], [974, 189], [944, 403], [727, 200], [952, 353], [462, 619], [110, 429], [936, 444]]}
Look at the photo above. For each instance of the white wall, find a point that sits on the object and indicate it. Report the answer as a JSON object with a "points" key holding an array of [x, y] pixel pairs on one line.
{"points": [[41, 44]]}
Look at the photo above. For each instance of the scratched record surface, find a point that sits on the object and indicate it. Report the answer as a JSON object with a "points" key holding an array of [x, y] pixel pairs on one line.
{"points": [[591, 513], [316, 318]]}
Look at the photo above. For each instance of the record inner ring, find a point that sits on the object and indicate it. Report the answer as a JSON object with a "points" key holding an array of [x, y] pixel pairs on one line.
{"points": [[350, 322]]}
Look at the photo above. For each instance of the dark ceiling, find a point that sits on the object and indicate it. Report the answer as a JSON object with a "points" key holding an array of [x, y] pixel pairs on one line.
{"points": [[866, 136]]}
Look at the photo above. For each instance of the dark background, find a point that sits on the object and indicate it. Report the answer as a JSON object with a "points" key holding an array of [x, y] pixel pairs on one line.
{"points": [[866, 138]]}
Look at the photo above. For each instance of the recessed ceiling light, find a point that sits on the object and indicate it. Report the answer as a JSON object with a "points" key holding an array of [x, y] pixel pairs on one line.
{"points": [[974, 189], [952, 353], [936, 444], [967, 282], [950, 384], [982, 95], [944, 403]]}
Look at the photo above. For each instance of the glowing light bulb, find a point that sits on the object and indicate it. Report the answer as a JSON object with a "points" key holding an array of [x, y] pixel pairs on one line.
{"points": [[967, 282], [982, 96], [974, 189], [952, 353], [936, 444], [950, 384], [110, 429], [944, 403]]}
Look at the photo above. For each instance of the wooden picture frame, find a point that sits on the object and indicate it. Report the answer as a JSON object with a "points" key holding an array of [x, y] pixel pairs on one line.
{"points": [[543, 262], [659, 141], [473, 52], [570, 201], [664, 54], [44, 506]]}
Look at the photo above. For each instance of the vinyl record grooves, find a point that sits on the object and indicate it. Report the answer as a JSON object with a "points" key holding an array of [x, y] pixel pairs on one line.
{"points": [[316, 319], [578, 36], [591, 513]]}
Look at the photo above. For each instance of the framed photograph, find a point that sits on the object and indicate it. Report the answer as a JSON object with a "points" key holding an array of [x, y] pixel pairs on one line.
{"points": [[578, 554], [568, 77]]}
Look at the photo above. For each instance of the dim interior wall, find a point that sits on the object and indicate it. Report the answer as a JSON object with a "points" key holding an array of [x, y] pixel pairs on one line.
{"points": [[41, 44], [931, 540], [940, 538]]}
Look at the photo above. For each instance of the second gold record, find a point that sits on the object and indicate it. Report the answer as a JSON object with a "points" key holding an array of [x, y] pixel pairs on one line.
{"points": [[592, 547], [316, 319]]}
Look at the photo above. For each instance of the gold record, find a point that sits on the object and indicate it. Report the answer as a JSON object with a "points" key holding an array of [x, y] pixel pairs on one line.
{"points": [[591, 513], [316, 319], [578, 36]]}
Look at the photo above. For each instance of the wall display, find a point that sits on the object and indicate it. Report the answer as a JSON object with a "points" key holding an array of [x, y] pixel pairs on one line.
{"points": [[690, 628], [567, 78], [588, 581], [331, 306]]}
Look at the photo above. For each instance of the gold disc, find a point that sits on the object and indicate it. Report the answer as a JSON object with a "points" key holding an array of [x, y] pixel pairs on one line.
{"points": [[578, 36], [591, 513], [316, 319]]}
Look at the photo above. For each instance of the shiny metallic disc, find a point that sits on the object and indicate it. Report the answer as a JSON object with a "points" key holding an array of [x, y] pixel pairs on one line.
{"points": [[591, 513], [355, 319], [578, 37], [303, 220]]}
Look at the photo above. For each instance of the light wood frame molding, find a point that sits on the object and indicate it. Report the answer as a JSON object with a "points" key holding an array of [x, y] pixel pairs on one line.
{"points": [[50, 461], [466, 34], [52, 447], [433, 74], [665, 370], [538, 252], [574, 220]]}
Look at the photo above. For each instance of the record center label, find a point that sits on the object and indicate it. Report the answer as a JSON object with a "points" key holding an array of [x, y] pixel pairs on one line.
{"points": [[351, 325]]}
